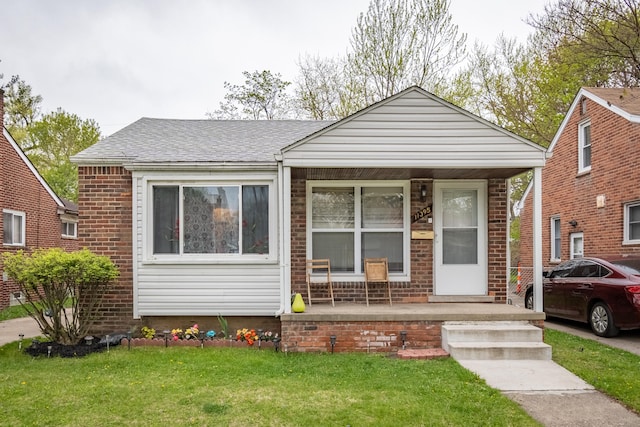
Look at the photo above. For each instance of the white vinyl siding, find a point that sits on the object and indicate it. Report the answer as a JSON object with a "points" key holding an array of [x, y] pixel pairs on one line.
{"points": [[202, 284], [414, 130], [632, 223]]}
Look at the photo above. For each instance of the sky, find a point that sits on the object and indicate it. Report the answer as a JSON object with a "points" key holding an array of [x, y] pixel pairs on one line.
{"points": [[115, 61]]}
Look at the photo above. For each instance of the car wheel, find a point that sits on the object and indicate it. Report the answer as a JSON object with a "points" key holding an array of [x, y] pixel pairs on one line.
{"points": [[528, 299], [601, 321]]}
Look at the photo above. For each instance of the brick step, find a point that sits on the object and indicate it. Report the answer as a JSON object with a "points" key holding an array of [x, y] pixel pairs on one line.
{"points": [[424, 353]]}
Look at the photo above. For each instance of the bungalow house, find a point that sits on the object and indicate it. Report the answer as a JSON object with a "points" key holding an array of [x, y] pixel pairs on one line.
{"points": [[33, 216], [207, 217], [591, 198]]}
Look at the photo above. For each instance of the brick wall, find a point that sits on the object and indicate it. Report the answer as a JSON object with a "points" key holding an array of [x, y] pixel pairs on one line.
{"points": [[497, 239], [421, 256], [20, 190], [359, 336], [105, 228], [614, 174]]}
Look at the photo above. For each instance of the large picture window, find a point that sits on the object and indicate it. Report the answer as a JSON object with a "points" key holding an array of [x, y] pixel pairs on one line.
{"points": [[210, 219], [350, 223], [13, 228]]}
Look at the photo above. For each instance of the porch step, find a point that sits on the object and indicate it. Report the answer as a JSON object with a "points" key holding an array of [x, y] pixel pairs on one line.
{"points": [[494, 340]]}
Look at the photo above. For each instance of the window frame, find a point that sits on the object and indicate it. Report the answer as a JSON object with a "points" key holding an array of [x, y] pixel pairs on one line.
{"points": [[555, 257], [23, 228], [573, 238], [581, 147], [149, 257], [627, 225], [358, 230], [68, 221]]}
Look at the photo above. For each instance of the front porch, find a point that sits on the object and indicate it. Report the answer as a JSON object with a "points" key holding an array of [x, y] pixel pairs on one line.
{"points": [[379, 328]]}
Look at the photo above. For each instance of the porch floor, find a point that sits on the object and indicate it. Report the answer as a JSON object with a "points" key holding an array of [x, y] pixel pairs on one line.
{"points": [[414, 312]]}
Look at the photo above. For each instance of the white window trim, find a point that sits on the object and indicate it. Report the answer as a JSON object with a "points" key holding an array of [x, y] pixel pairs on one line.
{"points": [[148, 257], [581, 168], [625, 239], [23, 228], [405, 276], [75, 228], [552, 233], [573, 237]]}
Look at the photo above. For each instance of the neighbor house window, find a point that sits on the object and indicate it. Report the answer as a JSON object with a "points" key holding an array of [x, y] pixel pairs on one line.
{"points": [[210, 219], [13, 227], [577, 245], [632, 223], [555, 239], [69, 229], [350, 223], [584, 147]]}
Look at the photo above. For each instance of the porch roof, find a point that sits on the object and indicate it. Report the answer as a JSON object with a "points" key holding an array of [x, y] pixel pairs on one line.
{"points": [[415, 129]]}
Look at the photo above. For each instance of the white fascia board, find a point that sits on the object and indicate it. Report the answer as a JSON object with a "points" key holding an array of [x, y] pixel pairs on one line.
{"points": [[231, 166], [406, 163], [575, 104]]}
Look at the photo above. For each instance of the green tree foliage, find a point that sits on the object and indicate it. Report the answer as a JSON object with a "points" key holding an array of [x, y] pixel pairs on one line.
{"points": [[22, 109], [51, 278], [55, 138], [262, 96], [50, 140], [606, 32]]}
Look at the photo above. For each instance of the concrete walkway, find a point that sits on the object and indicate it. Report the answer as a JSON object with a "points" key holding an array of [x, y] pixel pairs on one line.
{"points": [[11, 329]]}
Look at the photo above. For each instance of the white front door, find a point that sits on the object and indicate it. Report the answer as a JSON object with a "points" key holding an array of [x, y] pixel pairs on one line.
{"points": [[460, 225]]}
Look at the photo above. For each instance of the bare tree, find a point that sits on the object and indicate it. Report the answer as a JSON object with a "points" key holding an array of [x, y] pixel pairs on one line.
{"points": [[401, 43], [607, 31]]}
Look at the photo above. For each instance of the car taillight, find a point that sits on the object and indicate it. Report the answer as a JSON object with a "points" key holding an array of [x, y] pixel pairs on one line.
{"points": [[633, 292]]}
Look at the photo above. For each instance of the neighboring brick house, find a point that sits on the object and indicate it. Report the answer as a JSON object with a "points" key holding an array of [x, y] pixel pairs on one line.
{"points": [[591, 183], [215, 217], [33, 216]]}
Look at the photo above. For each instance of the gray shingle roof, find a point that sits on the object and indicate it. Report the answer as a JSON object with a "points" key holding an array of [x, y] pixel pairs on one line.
{"points": [[169, 140]]}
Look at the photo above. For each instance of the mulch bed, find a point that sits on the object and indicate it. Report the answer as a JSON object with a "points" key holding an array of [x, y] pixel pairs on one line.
{"points": [[52, 349]]}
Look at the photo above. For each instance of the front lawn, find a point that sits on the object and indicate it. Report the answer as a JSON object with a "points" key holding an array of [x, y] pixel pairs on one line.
{"points": [[613, 371], [154, 386]]}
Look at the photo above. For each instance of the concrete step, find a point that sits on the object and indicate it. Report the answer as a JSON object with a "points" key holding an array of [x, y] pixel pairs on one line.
{"points": [[490, 331], [499, 350]]}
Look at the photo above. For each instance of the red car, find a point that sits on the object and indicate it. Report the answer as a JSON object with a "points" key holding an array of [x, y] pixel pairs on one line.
{"points": [[604, 292]]}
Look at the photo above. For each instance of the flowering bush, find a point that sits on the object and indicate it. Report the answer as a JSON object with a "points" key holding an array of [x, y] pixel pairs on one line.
{"points": [[187, 334], [250, 336]]}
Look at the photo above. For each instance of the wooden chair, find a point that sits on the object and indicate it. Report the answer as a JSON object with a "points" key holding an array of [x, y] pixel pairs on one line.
{"points": [[376, 270], [319, 275]]}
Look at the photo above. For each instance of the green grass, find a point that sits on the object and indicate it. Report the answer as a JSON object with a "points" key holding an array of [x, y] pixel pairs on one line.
{"points": [[610, 370], [154, 386], [13, 312]]}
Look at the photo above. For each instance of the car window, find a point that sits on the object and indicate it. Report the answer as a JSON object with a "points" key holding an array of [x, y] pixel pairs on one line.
{"points": [[629, 266], [563, 270], [589, 269]]}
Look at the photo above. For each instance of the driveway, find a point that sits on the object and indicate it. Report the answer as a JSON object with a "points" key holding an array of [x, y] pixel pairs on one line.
{"points": [[627, 340]]}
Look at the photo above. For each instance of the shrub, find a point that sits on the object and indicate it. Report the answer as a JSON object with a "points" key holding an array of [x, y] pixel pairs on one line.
{"points": [[50, 277]]}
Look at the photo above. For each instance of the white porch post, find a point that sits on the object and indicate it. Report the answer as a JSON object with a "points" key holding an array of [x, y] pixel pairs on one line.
{"points": [[285, 221], [537, 239]]}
